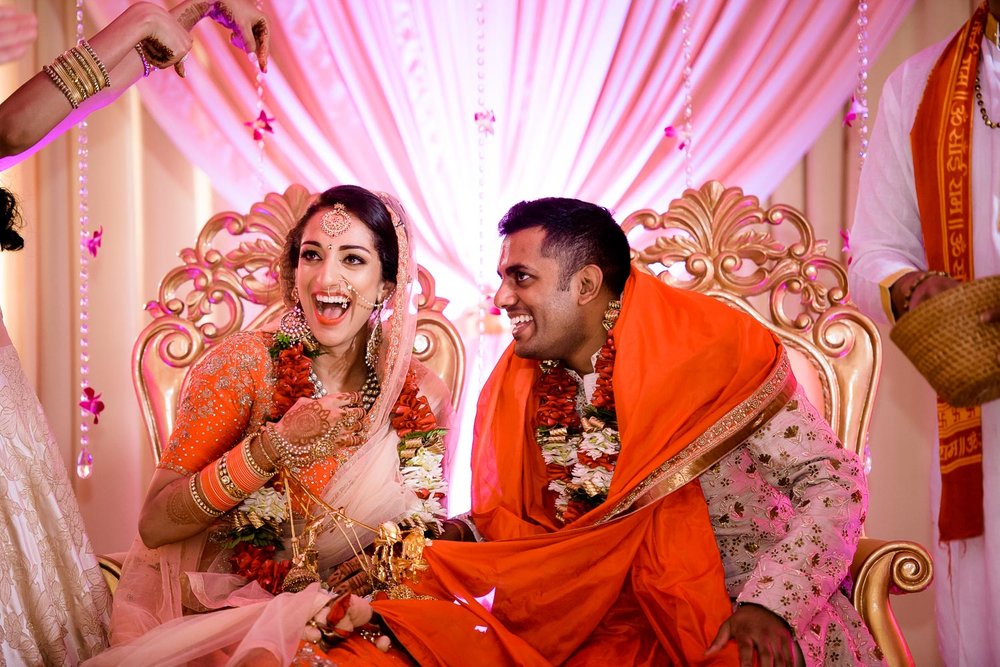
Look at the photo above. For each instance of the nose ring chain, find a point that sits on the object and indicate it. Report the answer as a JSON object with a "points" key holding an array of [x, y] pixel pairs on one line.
{"points": [[357, 295]]}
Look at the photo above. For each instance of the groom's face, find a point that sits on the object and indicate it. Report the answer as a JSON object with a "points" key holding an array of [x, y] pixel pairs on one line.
{"points": [[544, 311]]}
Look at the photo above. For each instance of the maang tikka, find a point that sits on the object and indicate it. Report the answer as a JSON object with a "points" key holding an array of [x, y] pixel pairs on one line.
{"points": [[335, 221]]}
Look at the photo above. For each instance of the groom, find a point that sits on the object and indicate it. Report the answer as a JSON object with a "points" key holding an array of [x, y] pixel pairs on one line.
{"points": [[650, 485], [623, 400]]}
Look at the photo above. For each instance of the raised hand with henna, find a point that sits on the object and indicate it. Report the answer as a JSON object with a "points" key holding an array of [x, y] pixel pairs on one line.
{"points": [[312, 422], [759, 633], [247, 24]]}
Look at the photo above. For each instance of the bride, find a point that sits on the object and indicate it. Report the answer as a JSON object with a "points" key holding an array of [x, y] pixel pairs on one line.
{"points": [[334, 398]]}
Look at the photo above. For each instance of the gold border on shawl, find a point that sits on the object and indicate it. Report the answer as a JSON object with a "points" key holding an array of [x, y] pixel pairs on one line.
{"points": [[715, 443]]}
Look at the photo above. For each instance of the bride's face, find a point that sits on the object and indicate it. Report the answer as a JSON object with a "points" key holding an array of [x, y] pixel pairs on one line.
{"points": [[329, 266]]}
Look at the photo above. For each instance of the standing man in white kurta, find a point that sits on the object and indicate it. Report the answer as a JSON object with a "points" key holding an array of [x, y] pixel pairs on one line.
{"points": [[927, 217]]}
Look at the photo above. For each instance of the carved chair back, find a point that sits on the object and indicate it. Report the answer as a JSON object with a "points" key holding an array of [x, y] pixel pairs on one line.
{"points": [[228, 282], [721, 242]]}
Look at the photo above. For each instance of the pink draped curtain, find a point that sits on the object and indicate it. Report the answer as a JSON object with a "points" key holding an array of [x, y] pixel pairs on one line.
{"points": [[383, 93]]}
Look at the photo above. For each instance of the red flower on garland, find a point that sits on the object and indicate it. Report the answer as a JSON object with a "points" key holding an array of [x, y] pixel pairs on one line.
{"points": [[558, 424], [258, 563], [291, 374], [412, 413]]}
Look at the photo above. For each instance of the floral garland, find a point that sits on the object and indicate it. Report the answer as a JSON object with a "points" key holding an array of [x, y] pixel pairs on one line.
{"points": [[579, 453], [255, 535]]}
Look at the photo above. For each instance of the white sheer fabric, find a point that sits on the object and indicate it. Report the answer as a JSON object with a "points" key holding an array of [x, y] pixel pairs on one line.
{"points": [[53, 600]]}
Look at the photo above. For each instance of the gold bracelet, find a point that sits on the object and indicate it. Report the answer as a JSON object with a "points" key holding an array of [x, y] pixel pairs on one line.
{"points": [[98, 62], [251, 462], [61, 85], [62, 63], [88, 71], [199, 501]]}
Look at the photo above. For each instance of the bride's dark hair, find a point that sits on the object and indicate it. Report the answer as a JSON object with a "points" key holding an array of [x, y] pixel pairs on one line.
{"points": [[10, 222]]}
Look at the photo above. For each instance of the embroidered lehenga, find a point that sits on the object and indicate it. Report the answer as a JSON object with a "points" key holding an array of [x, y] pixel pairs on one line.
{"points": [[53, 600], [181, 603]]}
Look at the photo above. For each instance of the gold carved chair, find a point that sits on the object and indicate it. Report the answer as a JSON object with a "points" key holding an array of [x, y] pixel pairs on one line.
{"points": [[228, 283], [721, 242]]}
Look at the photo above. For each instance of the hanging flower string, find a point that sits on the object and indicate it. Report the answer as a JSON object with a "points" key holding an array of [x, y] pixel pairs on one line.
{"points": [[90, 406], [857, 112]]}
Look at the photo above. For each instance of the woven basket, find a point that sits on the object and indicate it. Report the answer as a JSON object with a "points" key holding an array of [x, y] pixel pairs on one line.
{"points": [[951, 347]]}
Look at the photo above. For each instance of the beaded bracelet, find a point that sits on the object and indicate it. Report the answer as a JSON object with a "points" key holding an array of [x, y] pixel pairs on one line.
{"points": [[199, 501], [299, 456], [146, 67], [908, 294], [216, 488], [61, 85], [78, 66], [98, 62]]}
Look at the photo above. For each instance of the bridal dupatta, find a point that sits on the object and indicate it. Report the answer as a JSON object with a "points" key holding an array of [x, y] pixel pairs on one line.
{"points": [[152, 620], [638, 580]]}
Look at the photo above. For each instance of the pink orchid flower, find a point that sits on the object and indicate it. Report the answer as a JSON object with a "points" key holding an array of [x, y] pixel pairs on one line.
{"points": [[94, 242], [260, 125], [92, 402]]}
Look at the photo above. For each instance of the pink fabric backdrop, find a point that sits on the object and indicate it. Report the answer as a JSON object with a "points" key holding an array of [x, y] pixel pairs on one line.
{"points": [[383, 93]]}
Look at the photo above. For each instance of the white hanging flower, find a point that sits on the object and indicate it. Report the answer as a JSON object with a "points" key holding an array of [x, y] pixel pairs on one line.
{"points": [[561, 453], [596, 444], [266, 503]]}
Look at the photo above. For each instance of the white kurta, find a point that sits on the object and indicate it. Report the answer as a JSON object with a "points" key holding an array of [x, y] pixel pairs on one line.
{"points": [[886, 241]]}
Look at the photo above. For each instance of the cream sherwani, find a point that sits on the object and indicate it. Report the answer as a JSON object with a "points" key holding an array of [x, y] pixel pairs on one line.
{"points": [[886, 242]]}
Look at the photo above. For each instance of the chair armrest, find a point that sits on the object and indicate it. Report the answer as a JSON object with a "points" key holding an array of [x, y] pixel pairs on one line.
{"points": [[111, 568], [881, 568]]}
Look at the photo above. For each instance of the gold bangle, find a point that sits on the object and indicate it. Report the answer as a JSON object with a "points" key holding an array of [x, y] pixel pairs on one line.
{"points": [[263, 448], [199, 501], [98, 62], [251, 462], [88, 71], [62, 63], [61, 85]]}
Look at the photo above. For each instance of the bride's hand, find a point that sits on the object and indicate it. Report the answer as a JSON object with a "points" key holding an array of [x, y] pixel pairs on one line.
{"points": [[248, 24], [311, 422]]}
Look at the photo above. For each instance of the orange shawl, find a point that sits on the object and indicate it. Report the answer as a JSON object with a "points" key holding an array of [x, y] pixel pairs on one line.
{"points": [[692, 379], [941, 143]]}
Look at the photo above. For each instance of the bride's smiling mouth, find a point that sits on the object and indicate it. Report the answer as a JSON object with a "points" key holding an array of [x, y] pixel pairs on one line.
{"points": [[331, 308]]}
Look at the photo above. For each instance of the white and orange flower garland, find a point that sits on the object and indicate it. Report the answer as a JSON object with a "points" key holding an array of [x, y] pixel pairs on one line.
{"points": [[579, 452]]}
